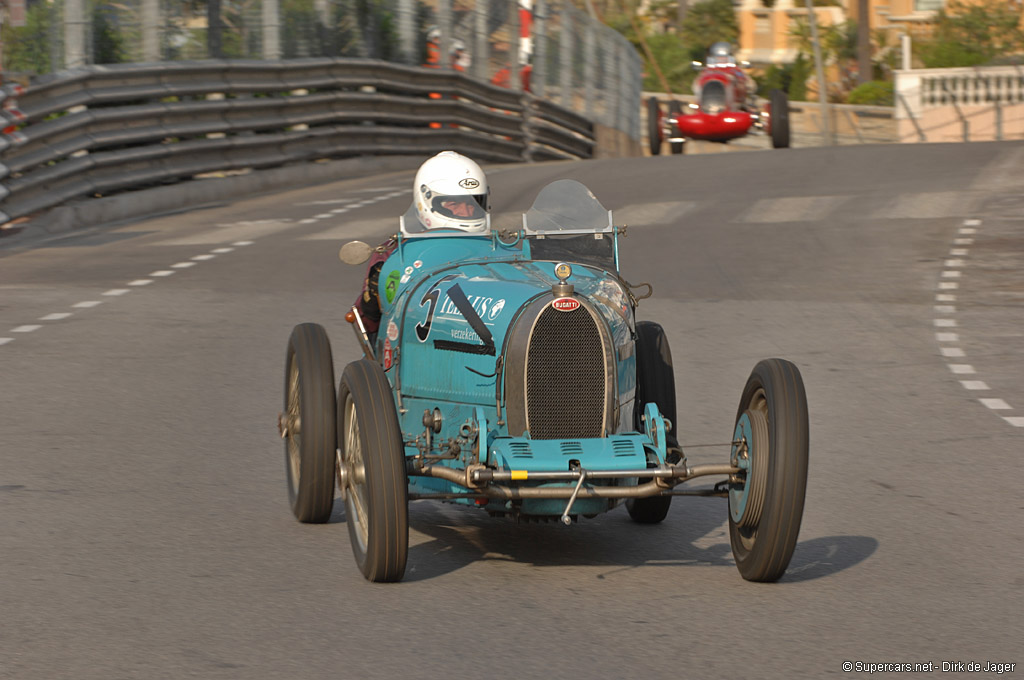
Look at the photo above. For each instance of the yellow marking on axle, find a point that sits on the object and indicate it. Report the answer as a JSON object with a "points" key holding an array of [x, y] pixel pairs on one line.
{"points": [[519, 474]]}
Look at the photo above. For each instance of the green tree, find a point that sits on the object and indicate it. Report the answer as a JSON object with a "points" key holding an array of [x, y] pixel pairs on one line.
{"points": [[706, 23], [27, 48], [972, 34], [108, 44]]}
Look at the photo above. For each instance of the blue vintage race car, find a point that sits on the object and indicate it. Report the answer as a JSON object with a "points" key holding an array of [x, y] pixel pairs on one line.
{"points": [[510, 374]]}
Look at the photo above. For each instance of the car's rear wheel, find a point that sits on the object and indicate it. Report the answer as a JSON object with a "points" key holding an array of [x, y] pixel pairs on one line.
{"points": [[308, 423], [655, 381], [675, 109], [766, 506], [780, 119], [372, 472], [654, 126]]}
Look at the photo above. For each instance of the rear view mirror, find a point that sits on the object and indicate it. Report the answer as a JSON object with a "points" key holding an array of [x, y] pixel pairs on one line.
{"points": [[355, 252]]}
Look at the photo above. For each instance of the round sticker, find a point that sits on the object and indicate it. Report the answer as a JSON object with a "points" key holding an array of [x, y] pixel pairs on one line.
{"points": [[392, 331], [417, 264], [408, 270], [391, 285]]}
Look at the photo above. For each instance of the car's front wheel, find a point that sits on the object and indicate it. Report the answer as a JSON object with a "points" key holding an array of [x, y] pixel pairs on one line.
{"points": [[655, 381], [771, 449], [307, 423], [373, 472]]}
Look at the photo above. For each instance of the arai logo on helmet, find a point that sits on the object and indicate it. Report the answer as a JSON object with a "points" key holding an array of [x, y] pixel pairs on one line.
{"points": [[469, 183], [566, 304]]}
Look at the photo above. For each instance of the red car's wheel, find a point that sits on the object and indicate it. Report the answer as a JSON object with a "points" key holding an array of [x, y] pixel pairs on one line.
{"points": [[654, 125], [675, 109], [779, 120]]}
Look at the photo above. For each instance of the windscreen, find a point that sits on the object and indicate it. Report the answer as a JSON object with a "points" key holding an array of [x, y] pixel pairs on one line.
{"points": [[566, 206]]}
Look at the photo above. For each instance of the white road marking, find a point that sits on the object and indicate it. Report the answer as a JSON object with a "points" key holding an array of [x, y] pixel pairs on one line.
{"points": [[308, 220], [117, 291], [959, 252], [183, 265], [931, 205], [26, 329], [635, 215], [945, 309], [954, 263], [996, 404], [791, 209], [963, 241], [951, 351], [243, 243], [967, 230], [140, 282], [56, 316], [950, 274], [88, 304], [203, 258], [322, 216], [338, 211], [1016, 421], [962, 369], [231, 232], [355, 229], [221, 251], [947, 337], [162, 272], [974, 384], [948, 285], [945, 323], [4, 341], [972, 223], [944, 297]]}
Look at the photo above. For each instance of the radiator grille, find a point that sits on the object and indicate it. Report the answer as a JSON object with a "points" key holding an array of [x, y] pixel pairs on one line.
{"points": [[565, 377], [712, 96]]}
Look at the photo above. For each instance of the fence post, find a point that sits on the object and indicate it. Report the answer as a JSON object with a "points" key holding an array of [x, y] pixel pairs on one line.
{"points": [[271, 30], [150, 30], [481, 11], [406, 12], [589, 57], [539, 79], [74, 33], [565, 58]]}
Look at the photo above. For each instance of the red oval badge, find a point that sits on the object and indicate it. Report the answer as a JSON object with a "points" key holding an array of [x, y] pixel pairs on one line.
{"points": [[566, 304]]}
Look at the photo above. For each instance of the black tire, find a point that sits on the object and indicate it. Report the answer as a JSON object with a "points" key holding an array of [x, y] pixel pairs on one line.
{"points": [[655, 381], [310, 437], [780, 120], [370, 438], [675, 109], [654, 126], [763, 547]]}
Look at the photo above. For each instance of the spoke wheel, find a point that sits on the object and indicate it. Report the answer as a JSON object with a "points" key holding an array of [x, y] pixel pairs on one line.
{"points": [[766, 504], [655, 382], [372, 471], [308, 424]]}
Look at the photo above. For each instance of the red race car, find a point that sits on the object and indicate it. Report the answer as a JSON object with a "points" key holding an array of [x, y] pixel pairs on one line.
{"points": [[726, 108]]}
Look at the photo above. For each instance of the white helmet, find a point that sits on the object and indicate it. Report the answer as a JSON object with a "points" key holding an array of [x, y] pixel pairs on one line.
{"points": [[450, 192]]}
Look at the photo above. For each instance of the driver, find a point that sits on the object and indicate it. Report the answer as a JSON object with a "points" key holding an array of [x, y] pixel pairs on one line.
{"points": [[450, 192]]}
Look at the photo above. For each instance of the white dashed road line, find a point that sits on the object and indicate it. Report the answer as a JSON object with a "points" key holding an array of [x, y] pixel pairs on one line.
{"points": [[4, 341], [117, 291], [140, 282], [87, 304], [953, 271], [183, 265], [162, 273], [57, 316], [28, 328]]}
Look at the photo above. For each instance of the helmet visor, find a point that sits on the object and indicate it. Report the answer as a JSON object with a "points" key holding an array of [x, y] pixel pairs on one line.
{"points": [[460, 207]]}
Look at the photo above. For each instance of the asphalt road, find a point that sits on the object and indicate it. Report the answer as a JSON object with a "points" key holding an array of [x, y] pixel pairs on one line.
{"points": [[145, 525]]}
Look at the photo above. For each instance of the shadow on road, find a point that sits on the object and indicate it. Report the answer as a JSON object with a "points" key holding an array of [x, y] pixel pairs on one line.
{"points": [[695, 533]]}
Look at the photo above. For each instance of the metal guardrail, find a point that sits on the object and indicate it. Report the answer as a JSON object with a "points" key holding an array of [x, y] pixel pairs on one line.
{"points": [[101, 130]]}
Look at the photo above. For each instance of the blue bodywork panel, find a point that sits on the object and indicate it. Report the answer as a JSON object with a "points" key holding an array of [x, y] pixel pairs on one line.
{"points": [[436, 358]]}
